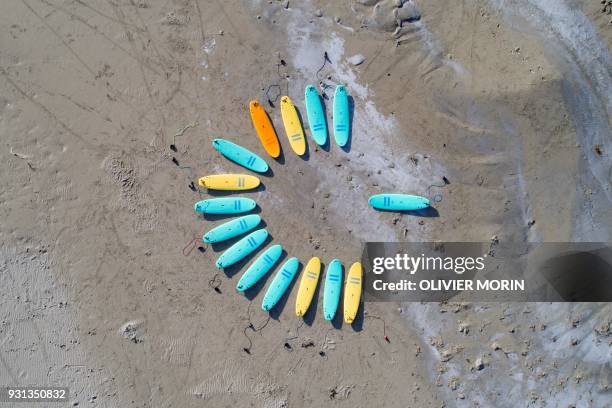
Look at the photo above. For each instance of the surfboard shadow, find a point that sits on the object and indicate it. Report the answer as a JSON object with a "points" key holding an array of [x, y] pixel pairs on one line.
{"points": [[351, 103], [218, 217], [429, 212], [326, 146], [357, 324], [312, 310], [306, 155], [270, 172], [280, 306], [225, 193], [338, 319], [252, 292], [232, 270], [281, 157]]}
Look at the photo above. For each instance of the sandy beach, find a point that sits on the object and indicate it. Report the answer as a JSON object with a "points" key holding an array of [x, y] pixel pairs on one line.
{"points": [[497, 111]]}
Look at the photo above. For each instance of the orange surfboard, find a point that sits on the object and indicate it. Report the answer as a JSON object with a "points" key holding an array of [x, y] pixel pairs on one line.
{"points": [[264, 129]]}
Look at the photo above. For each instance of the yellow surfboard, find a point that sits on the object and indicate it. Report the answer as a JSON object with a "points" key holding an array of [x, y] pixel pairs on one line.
{"points": [[293, 127], [308, 285], [229, 182], [352, 292]]}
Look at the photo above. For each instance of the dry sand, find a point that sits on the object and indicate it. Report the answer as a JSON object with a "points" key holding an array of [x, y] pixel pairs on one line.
{"points": [[498, 97]]}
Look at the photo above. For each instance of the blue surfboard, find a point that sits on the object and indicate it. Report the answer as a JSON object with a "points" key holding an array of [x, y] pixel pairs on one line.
{"points": [[398, 202], [240, 155], [259, 268], [341, 116], [280, 283], [242, 248], [231, 229], [225, 205], [333, 288], [316, 115]]}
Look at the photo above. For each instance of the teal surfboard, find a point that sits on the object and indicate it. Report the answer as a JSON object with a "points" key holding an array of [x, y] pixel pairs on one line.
{"points": [[240, 155], [341, 116], [225, 205], [280, 283], [316, 115], [398, 202], [242, 248], [333, 288], [259, 268], [231, 229]]}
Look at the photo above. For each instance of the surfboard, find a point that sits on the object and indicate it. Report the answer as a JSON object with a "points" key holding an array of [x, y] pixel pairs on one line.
{"points": [[398, 202], [341, 116], [242, 248], [280, 283], [316, 115], [229, 182], [293, 127], [265, 130], [352, 292], [332, 290], [231, 229], [308, 286], [225, 205], [259, 268], [240, 155]]}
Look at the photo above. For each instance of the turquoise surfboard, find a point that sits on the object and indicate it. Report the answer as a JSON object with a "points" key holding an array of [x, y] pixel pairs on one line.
{"points": [[341, 116], [333, 288], [225, 205], [242, 248], [398, 202], [259, 268], [240, 155], [231, 229], [280, 283], [316, 115]]}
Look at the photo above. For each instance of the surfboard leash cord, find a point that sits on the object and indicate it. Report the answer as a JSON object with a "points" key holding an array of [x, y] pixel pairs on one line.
{"points": [[436, 198], [287, 345], [252, 327], [215, 283], [384, 325]]}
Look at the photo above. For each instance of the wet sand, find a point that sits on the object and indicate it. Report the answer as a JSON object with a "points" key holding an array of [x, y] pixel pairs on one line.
{"points": [[96, 215]]}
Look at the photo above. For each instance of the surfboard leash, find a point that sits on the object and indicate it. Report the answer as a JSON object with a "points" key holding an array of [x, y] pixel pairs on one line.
{"points": [[252, 327], [384, 326], [181, 132], [192, 244], [322, 352], [325, 61], [287, 345], [190, 177], [436, 198], [282, 63], [272, 101], [215, 283]]}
